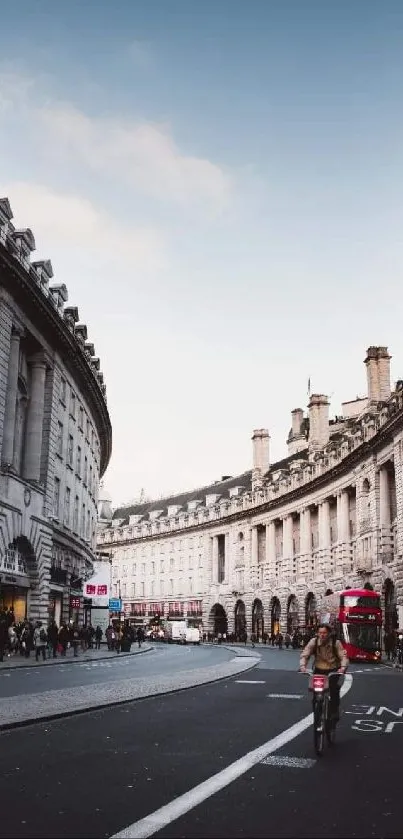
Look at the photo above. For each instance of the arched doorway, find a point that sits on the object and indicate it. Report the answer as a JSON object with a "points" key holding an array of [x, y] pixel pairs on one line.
{"points": [[257, 619], [391, 616], [311, 618], [275, 615], [218, 621], [240, 619], [292, 614]]}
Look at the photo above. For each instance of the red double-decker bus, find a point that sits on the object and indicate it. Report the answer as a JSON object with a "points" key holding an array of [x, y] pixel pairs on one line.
{"points": [[356, 615]]}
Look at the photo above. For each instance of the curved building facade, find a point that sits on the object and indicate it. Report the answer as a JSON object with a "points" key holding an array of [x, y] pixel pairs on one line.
{"points": [[55, 437], [257, 552]]}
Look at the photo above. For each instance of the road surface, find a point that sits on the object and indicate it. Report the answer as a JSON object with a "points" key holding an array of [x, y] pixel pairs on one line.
{"points": [[110, 772]]}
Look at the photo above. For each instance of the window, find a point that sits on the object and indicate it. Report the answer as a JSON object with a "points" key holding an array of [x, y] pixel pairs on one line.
{"points": [[171, 564], [67, 507], [88, 531], [124, 589], [134, 569], [85, 476], [60, 439], [78, 467], [73, 404], [63, 391], [90, 483], [171, 586], [142, 589], [133, 590], [115, 572], [190, 585], [153, 567], [161, 566], [125, 570], [143, 569], [75, 514], [82, 528], [56, 498], [81, 418], [87, 432], [70, 451]]}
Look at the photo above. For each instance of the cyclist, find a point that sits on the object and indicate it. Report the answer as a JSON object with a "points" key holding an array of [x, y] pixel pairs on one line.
{"points": [[329, 657]]}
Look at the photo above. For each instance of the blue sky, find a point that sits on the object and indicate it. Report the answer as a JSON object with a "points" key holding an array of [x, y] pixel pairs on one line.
{"points": [[219, 185]]}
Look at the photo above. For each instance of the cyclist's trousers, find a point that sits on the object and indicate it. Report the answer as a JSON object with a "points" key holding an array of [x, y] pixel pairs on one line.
{"points": [[334, 689]]}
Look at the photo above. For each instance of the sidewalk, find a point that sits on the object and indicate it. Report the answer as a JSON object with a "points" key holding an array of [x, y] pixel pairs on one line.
{"points": [[17, 661], [53, 704]]}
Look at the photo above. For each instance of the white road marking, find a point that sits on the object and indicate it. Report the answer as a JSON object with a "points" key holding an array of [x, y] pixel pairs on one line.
{"points": [[285, 696], [253, 659], [291, 762], [249, 682], [184, 803]]}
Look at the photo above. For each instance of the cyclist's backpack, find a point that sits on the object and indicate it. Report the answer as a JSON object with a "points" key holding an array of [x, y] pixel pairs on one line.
{"points": [[42, 635]]}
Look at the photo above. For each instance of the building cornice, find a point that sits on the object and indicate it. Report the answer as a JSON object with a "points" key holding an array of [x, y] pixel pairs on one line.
{"points": [[29, 296]]}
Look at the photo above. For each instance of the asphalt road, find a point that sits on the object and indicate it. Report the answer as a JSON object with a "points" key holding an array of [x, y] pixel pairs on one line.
{"points": [[100, 772], [162, 659]]}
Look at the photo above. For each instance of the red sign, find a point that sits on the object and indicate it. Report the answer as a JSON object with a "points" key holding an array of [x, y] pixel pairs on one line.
{"points": [[75, 602], [90, 590], [102, 591]]}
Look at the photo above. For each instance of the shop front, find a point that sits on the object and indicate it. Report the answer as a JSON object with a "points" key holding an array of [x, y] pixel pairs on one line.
{"points": [[56, 606], [14, 597]]}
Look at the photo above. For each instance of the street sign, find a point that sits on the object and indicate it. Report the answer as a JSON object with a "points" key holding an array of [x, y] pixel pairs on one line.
{"points": [[115, 605]]}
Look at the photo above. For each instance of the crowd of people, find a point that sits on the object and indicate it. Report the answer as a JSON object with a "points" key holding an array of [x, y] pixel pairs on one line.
{"points": [[50, 640], [296, 639]]}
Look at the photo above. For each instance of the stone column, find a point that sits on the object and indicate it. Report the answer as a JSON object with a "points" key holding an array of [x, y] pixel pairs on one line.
{"points": [[384, 499], [305, 532], [324, 525], [254, 547], [215, 559], [385, 519], [343, 528], [11, 399], [227, 560], [271, 548], [287, 538], [33, 435]]}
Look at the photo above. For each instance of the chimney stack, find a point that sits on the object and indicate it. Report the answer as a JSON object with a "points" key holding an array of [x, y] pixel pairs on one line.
{"points": [[318, 421], [297, 416], [377, 363], [261, 449]]}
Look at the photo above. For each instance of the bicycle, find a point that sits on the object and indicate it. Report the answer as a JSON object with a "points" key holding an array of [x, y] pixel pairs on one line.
{"points": [[324, 727]]}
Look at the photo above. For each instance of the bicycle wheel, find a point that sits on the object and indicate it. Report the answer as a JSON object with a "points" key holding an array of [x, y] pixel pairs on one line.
{"points": [[319, 728]]}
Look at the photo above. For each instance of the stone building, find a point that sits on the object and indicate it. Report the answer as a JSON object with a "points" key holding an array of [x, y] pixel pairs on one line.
{"points": [[55, 436], [260, 550]]}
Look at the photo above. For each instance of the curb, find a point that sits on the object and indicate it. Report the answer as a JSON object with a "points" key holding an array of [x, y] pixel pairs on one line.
{"points": [[9, 726], [63, 660]]}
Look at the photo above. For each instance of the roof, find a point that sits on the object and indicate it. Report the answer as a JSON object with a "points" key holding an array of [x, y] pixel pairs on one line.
{"points": [[220, 488]]}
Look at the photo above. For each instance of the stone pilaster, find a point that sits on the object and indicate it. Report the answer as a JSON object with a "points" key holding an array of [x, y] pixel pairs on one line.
{"points": [[34, 429], [11, 399]]}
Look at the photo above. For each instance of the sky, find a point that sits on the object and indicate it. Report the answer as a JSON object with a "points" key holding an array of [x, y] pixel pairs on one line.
{"points": [[219, 185]]}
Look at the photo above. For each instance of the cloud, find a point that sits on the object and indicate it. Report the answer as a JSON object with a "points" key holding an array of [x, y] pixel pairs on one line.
{"points": [[140, 155], [70, 221], [143, 154]]}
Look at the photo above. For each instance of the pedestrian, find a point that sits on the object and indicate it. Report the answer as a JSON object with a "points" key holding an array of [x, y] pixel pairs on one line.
{"points": [[40, 641], [3, 636], [53, 637], [98, 637], [118, 639]]}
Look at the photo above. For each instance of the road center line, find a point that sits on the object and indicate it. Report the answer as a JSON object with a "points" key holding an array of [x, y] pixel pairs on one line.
{"points": [[189, 800], [249, 682]]}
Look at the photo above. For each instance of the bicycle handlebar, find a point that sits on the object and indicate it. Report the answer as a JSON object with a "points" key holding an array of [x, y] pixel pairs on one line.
{"points": [[308, 672]]}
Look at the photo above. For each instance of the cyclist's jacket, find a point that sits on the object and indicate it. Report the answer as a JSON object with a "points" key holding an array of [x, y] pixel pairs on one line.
{"points": [[329, 655]]}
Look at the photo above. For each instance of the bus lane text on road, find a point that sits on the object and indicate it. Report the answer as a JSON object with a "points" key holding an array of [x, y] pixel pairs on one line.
{"points": [[373, 719]]}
